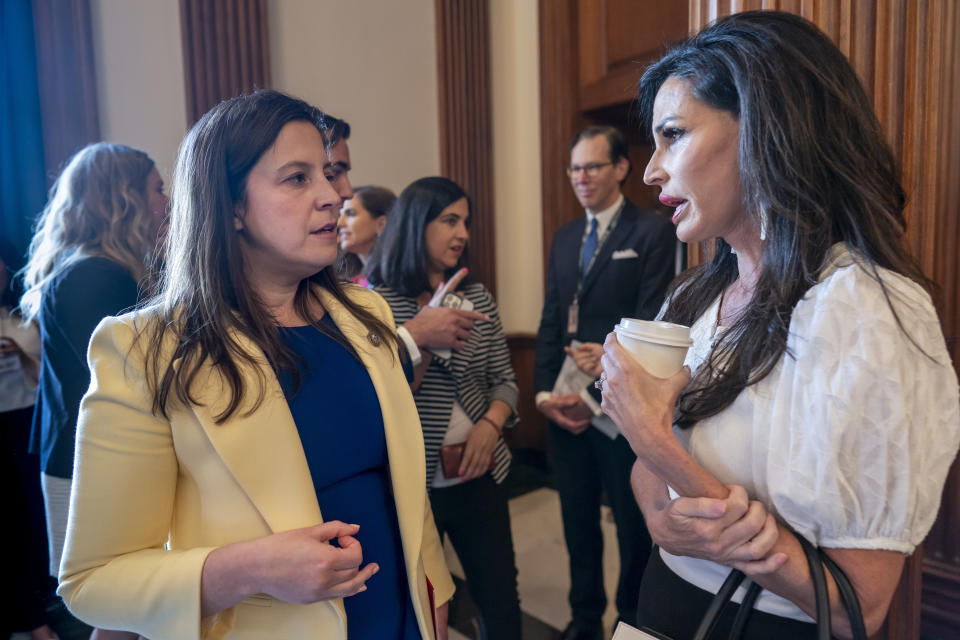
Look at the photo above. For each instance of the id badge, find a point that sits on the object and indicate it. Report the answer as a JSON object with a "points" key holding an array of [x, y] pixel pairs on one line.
{"points": [[573, 314], [452, 300]]}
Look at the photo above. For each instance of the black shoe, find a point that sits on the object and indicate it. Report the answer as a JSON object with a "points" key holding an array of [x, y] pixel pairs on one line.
{"points": [[575, 631]]}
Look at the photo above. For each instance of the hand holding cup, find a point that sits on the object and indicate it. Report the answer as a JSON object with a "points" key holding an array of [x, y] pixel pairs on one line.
{"points": [[639, 402]]}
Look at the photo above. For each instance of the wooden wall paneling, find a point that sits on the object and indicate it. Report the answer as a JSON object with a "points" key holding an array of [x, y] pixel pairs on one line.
{"points": [[948, 269], [889, 72], [225, 51], [67, 83], [617, 38], [941, 580], [531, 431], [466, 123], [560, 115], [915, 104], [591, 21]]}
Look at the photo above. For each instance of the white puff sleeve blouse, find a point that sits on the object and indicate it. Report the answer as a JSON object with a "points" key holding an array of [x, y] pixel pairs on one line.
{"points": [[850, 437]]}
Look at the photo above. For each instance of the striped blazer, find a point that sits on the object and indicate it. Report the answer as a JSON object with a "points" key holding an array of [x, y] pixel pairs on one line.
{"points": [[476, 375]]}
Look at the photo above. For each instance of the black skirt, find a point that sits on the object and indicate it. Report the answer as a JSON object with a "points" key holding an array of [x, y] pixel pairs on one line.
{"points": [[671, 606]]}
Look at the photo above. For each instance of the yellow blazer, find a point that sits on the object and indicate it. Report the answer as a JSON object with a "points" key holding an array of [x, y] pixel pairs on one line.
{"points": [[142, 482]]}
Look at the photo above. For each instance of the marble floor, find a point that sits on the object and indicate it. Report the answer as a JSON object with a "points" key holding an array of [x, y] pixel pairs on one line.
{"points": [[543, 568]]}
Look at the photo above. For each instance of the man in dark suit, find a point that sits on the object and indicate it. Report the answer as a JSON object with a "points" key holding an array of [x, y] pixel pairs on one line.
{"points": [[616, 261]]}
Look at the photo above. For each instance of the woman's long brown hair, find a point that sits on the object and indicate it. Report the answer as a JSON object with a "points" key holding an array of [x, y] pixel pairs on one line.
{"points": [[204, 301], [815, 171]]}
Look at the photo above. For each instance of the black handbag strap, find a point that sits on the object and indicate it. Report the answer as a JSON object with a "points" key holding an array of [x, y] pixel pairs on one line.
{"points": [[712, 616], [817, 559], [743, 613], [821, 595], [848, 595]]}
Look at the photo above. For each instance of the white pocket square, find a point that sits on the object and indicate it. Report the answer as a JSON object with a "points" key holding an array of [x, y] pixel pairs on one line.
{"points": [[623, 254]]}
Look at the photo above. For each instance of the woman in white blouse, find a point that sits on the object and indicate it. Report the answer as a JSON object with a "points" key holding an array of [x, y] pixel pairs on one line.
{"points": [[819, 399]]}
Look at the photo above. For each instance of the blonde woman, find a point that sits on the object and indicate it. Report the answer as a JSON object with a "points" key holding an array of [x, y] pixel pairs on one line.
{"points": [[93, 242]]}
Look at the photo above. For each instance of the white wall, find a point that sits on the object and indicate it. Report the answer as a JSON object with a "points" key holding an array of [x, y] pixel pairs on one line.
{"points": [[372, 63], [515, 84], [139, 68]]}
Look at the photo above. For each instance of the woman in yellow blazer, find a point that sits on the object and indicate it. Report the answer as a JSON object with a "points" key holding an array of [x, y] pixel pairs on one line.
{"points": [[202, 502]]}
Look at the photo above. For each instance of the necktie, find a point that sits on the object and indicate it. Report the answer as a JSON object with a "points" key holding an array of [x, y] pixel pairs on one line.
{"points": [[589, 247]]}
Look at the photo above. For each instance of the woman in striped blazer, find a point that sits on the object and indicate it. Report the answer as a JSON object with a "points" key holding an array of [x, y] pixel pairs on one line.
{"points": [[464, 386]]}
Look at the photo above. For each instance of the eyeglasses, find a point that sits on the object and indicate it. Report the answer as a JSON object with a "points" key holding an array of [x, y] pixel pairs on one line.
{"points": [[592, 169]]}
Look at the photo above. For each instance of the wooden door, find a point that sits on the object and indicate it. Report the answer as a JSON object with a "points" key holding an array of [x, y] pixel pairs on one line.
{"points": [[592, 53]]}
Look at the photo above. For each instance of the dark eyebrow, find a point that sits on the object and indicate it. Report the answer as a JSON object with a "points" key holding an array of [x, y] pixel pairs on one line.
{"points": [[296, 164], [343, 166], [657, 129]]}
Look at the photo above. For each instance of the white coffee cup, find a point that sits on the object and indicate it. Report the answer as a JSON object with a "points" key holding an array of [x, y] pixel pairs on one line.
{"points": [[659, 346]]}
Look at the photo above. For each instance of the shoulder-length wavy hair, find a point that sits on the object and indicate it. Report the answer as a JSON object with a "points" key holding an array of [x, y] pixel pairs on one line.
{"points": [[97, 207], [204, 299], [815, 170], [400, 258]]}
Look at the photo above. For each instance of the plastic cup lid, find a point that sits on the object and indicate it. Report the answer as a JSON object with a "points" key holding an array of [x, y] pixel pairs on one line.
{"points": [[667, 333]]}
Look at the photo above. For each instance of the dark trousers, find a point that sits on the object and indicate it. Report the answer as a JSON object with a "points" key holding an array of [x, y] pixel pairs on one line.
{"points": [[475, 516], [585, 465], [24, 535], [673, 607], [32, 601]]}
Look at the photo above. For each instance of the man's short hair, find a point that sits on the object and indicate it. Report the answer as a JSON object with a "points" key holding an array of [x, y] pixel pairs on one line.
{"points": [[615, 138], [335, 129]]}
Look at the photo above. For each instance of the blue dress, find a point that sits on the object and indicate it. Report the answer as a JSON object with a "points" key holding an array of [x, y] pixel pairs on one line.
{"points": [[338, 416]]}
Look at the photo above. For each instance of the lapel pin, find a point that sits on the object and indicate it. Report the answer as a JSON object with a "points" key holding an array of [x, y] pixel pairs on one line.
{"points": [[374, 339]]}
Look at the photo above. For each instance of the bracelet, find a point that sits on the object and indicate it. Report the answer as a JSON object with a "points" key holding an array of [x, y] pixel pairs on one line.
{"points": [[493, 424]]}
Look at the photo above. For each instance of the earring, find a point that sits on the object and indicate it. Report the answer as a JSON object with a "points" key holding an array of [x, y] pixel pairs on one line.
{"points": [[764, 221]]}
